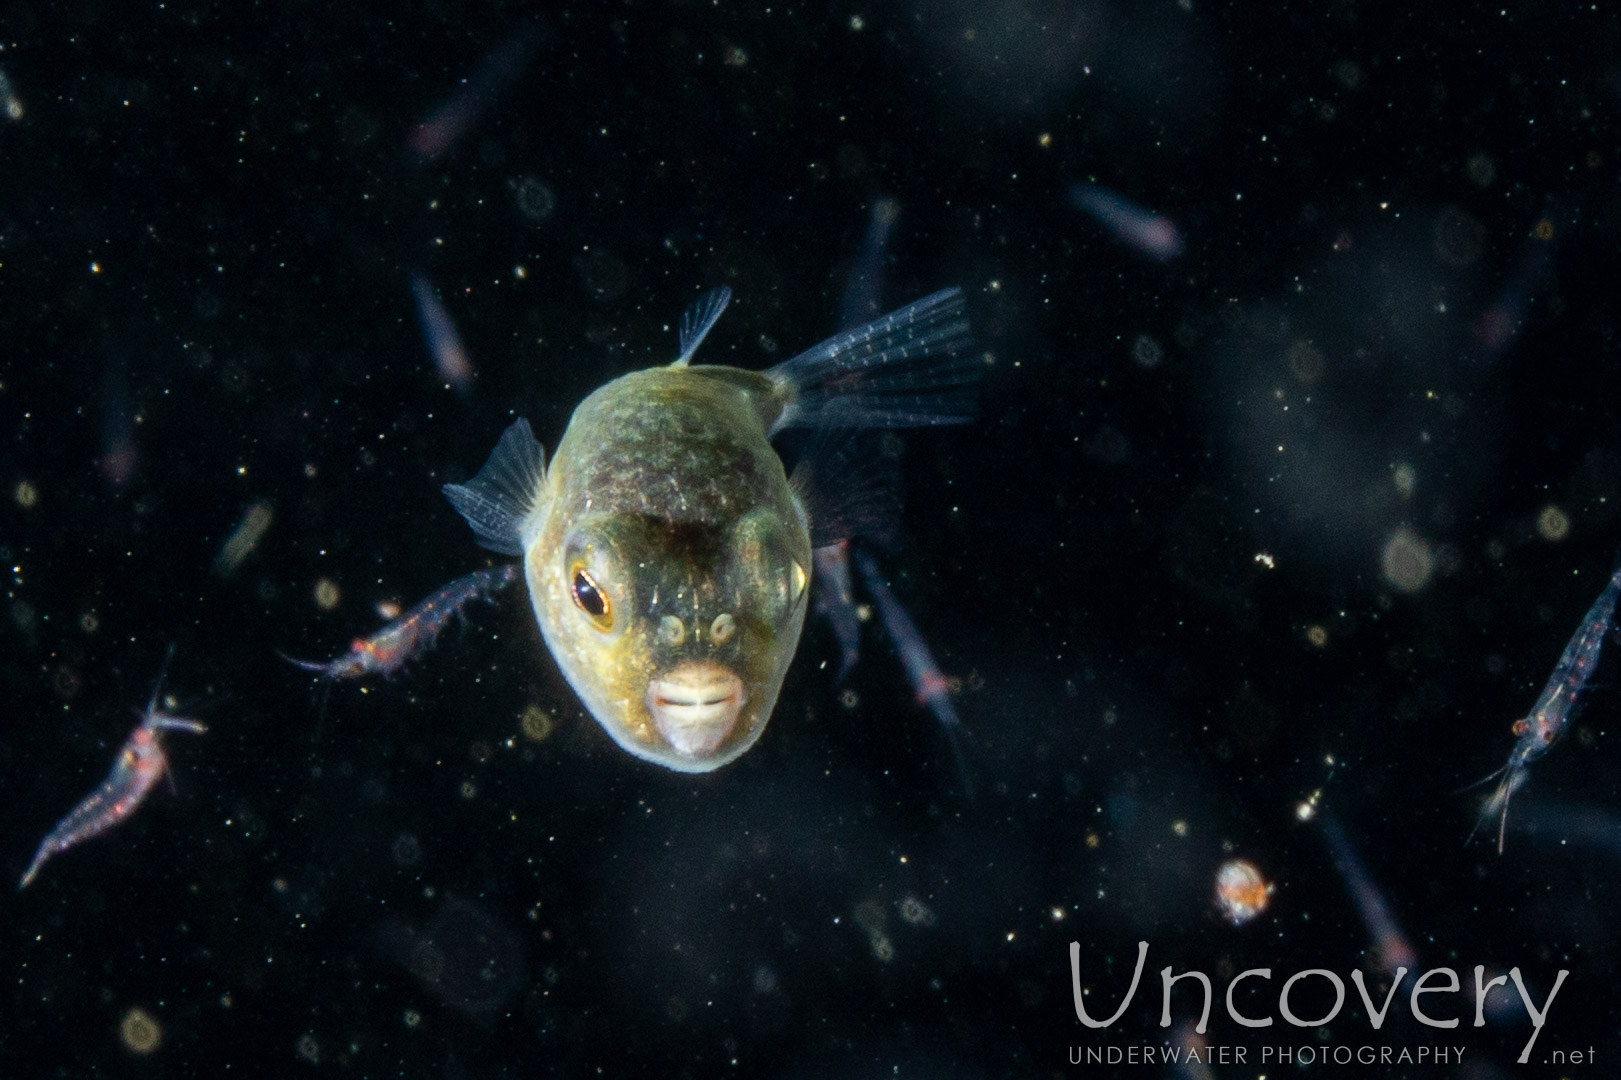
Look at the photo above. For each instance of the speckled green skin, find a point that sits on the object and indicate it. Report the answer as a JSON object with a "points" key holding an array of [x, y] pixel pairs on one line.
{"points": [[666, 489]]}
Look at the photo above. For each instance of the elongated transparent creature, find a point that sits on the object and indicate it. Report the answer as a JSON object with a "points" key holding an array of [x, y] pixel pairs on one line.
{"points": [[140, 763], [1549, 717]]}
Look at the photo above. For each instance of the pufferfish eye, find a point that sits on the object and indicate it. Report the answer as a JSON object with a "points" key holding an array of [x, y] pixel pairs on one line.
{"points": [[589, 597]]}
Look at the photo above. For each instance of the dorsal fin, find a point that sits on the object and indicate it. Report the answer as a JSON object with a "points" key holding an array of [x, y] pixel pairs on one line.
{"points": [[697, 320]]}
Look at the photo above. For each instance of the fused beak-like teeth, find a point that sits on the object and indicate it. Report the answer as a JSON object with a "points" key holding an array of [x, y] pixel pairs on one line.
{"points": [[695, 705]]}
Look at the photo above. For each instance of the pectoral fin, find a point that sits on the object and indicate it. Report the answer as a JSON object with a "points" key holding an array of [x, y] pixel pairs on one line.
{"points": [[506, 493]]}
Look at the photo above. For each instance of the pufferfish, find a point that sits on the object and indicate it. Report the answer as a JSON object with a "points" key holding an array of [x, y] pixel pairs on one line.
{"points": [[667, 551]]}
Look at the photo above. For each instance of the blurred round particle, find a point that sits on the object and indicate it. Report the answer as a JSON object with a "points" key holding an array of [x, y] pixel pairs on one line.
{"points": [[407, 850], [1481, 170], [1147, 352], [309, 1049], [140, 1031], [883, 949], [327, 594], [1459, 239], [1553, 524], [66, 682], [1543, 230], [90, 622], [537, 724], [534, 199], [915, 912], [1241, 892], [427, 961], [469, 790], [26, 494], [1317, 635], [412, 1018], [849, 698], [1306, 362], [1405, 477], [1407, 561]]}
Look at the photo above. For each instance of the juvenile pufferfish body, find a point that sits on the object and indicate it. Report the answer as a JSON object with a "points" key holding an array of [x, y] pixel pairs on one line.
{"points": [[667, 508], [666, 551]]}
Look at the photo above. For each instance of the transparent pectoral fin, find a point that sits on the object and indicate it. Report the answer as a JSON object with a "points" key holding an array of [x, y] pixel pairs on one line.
{"points": [[848, 487], [697, 320], [498, 501], [910, 368]]}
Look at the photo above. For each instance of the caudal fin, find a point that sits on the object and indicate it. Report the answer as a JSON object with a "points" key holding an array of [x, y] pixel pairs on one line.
{"points": [[910, 368]]}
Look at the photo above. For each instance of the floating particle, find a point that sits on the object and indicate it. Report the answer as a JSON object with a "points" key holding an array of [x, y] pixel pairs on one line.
{"points": [[1180, 828], [140, 1031], [244, 538], [1481, 170], [1306, 362], [1407, 561], [1553, 524], [66, 682], [407, 850], [534, 199], [469, 790], [26, 494], [849, 698], [915, 912], [327, 594], [537, 724], [1317, 635], [1147, 352], [309, 1049], [1405, 478], [412, 1018], [736, 57], [9, 101], [857, 23], [869, 915], [90, 622], [1241, 892], [1306, 809], [883, 949]]}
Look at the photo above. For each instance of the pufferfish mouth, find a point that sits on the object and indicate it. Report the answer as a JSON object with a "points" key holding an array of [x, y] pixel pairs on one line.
{"points": [[695, 705]]}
